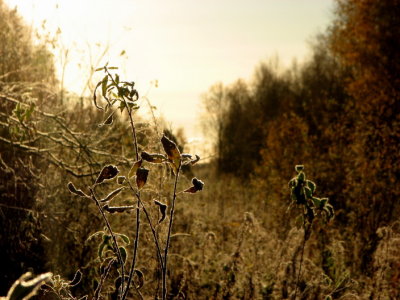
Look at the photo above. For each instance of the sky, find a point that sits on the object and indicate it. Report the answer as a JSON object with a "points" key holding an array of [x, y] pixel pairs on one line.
{"points": [[186, 45]]}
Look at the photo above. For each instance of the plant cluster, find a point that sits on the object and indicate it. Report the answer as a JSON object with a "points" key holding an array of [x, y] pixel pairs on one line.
{"points": [[123, 95]]}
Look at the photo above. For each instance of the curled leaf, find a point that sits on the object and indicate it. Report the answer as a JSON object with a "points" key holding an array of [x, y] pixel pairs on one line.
{"points": [[311, 185], [73, 190], [141, 177], [27, 285], [196, 160], [108, 172], [117, 209], [136, 165], [172, 151], [138, 279], [154, 158], [124, 237], [111, 195], [188, 159], [77, 279], [95, 97], [299, 168], [163, 209], [197, 186]]}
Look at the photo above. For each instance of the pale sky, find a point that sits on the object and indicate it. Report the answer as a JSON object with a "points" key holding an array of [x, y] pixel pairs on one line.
{"points": [[187, 45]]}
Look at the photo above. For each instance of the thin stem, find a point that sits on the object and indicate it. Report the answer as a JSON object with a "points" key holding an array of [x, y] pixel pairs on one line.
{"points": [[135, 247], [136, 242], [103, 278], [306, 232], [171, 218], [152, 229], [118, 252]]}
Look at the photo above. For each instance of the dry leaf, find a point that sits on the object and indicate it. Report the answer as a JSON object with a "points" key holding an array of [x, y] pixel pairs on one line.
{"points": [[108, 172], [73, 190], [136, 165], [141, 177], [154, 158], [172, 151], [163, 209]]}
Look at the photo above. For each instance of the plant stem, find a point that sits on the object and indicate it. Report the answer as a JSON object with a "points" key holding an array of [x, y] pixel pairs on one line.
{"points": [[102, 279], [171, 218], [306, 232], [118, 252], [135, 247]]}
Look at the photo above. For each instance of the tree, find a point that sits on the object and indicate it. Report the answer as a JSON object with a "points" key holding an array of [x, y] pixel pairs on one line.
{"points": [[366, 37]]}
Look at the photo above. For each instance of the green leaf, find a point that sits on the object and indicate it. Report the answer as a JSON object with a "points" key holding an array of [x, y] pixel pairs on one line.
{"points": [[104, 86], [100, 250], [299, 168], [308, 192], [301, 176], [125, 238], [311, 185], [124, 254], [324, 202], [138, 279], [316, 201]]}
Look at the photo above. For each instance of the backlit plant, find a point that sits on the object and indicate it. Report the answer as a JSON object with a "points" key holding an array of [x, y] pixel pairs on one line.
{"points": [[122, 96]]}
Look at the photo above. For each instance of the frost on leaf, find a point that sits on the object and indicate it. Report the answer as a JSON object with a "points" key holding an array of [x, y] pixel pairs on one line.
{"points": [[108, 172], [197, 186], [141, 177], [172, 151], [163, 209]]}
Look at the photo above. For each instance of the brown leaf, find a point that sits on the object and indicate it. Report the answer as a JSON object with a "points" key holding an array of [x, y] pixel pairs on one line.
{"points": [[172, 151], [73, 190], [154, 158], [108, 172], [191, 190], [197, 186], [141, 177], [117, 209], [163, 209], [109, 119], [136, 165], [111, 195]]}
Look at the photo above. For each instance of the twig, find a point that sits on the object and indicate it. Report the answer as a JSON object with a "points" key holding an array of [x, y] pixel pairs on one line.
{"points": [[164, 270]]}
